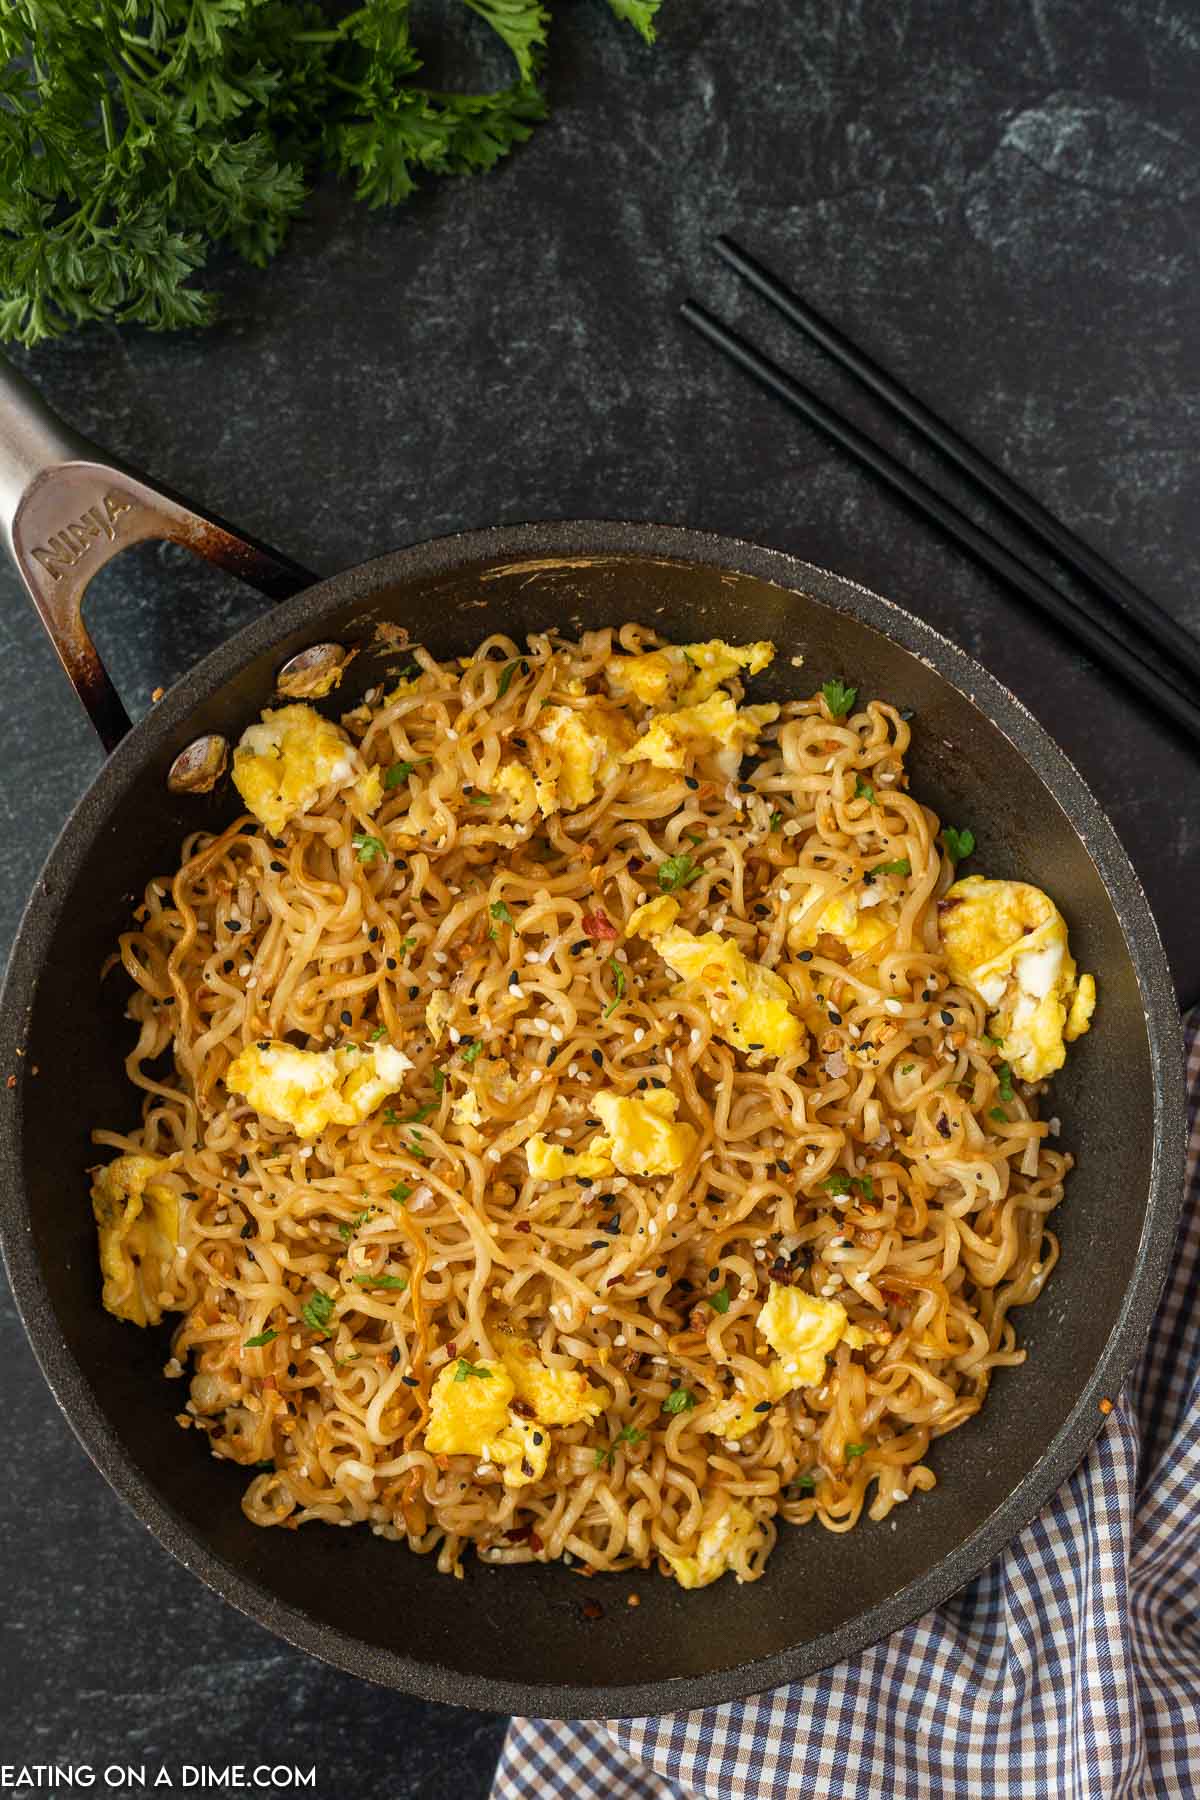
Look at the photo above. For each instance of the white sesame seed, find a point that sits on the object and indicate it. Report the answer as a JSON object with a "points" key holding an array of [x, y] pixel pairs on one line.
{"points": [[516, 990], [556, 1033], [893, 1006], [455, 1035], [452, 735], [638, 1035], [597, 1310]]}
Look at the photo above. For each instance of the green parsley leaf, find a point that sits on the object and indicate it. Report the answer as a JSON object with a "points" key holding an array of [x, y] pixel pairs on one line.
{"points": [[776, 821], [439, 1081], [406, 944], [693, 837], [629, 1434], [466, 1369], [480, 799], [346, 1232], [841, 1183], [318, 1310], [396, 1282], [864, 791], [959, 844], [908, 1068], [509, 669], [1004, 1074], [901, 866], [379, 1032], [998, 1113], [999, 1042], [391, 1116], [421, 1113], [677, 872], [473, 1052], [400, 1193], [806, 1483], [838, 697], [679, 1400], [369, 848], [618, 983], [264, 1337], [499, 910], [856, 1449], [402, 770], [720, 1300]]}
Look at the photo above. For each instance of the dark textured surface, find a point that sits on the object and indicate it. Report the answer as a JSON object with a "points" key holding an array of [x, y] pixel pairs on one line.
{"points": [[1000, 199]]}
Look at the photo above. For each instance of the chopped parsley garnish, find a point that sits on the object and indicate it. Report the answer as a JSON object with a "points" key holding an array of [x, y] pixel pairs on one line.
{"points": [[864, 791], [473, 1052], [396, 1282], [901, 866], [379, 1032], [346, 1232], [264, 1337], [391, 1116], [719, 1301], [693, 837], [619, 985], [959, 844], [507, 673], [776, 821], [439, 1081], [838, 697], [369, 848], [629, 1434], [1004, 1074], [422, 1112], [679, 1400], [677, 872], [399, 1193], [466, 1369], [499, 910], [841, 1183], [999, 1042], [481, 799], [318, 1310], [407, 943], [908, 1068], [856, 1449], [998, 1113], [402, 770], [806, 1483]]}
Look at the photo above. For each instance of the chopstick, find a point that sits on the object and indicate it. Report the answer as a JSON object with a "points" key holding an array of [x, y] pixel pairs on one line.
{"points": [[1168, 636], [1102, 644]]}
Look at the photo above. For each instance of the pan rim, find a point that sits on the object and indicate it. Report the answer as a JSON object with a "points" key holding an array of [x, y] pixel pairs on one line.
{"points": [[560, 540]]}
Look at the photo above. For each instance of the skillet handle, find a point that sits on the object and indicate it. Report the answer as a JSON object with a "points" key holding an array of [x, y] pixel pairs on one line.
{"points": [[66, 509]]}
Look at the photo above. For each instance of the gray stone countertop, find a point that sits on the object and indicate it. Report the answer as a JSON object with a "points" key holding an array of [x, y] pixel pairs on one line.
{"points": [[999, 198]]}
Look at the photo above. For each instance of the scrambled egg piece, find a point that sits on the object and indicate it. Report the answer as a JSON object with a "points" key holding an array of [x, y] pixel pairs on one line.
{"points": [[464, 1108], [1008, 941], [715, 727], [551, 1162], [802, 1329], [641, 1136], [734, 1417], [516, 787], [466, 1411], [557, 1396], [587, 755], [438, 1011], [748, 1005], [684, 674], [469, 1416], [137, 1218], [283, 762], [368, 789], [845, 917], [310, 1089], [734, 1529], [654, 917]]}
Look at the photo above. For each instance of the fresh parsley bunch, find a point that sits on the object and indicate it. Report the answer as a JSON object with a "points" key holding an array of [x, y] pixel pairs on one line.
{"points": [[137, 134]]}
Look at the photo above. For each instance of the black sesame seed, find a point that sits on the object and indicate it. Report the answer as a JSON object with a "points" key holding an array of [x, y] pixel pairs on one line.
{"points": [[394, 1355], [347, 1018], [947, 1018], [655, 1082], [410, 1381], [243, 1167], [585, 1181], [598, 1058], [556, 1050], [763, 1406], [906, 713], [247, 1230], [599, 1244], [580, 945], [786, 1167], [835, 1018], [232, 925], [293, 1370], [745, 787], [714, 1274], [612, 1226], [392, 963], [413, 992], [514, 980], [228, 967], [278, 868], [690, 781], [642, 1083], [373, 935], [806, 956]]}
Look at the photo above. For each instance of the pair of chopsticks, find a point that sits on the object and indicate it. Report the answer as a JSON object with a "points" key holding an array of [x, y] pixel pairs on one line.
{"points": [[1161, 637]]}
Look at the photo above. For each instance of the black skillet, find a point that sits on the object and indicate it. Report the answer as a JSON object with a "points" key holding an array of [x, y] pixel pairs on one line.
{"points": [[518, 1639]]}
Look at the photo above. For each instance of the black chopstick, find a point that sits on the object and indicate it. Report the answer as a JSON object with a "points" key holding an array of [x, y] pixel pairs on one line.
{"points": [[1102, 644], [1169, 637]]}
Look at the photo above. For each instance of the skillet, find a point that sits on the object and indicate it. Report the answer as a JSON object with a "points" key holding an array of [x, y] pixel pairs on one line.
{"points": [[518, 1639]]}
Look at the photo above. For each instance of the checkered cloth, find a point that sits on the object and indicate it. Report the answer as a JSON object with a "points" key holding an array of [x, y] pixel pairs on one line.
{"points": [[1070, 1667]]}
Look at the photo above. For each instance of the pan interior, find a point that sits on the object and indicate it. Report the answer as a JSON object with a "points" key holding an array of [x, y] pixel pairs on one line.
{"points": [[526, 1625]]}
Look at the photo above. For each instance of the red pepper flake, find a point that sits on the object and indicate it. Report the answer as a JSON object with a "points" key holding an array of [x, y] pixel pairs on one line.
{"points": [[598, 925], [1106, 1405], [592, 1609], [535, 1543], [451, 1349], [523, 1225]]}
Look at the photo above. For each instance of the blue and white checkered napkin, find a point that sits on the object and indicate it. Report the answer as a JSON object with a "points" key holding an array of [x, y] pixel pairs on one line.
{"points": [[1070, 1667]]}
